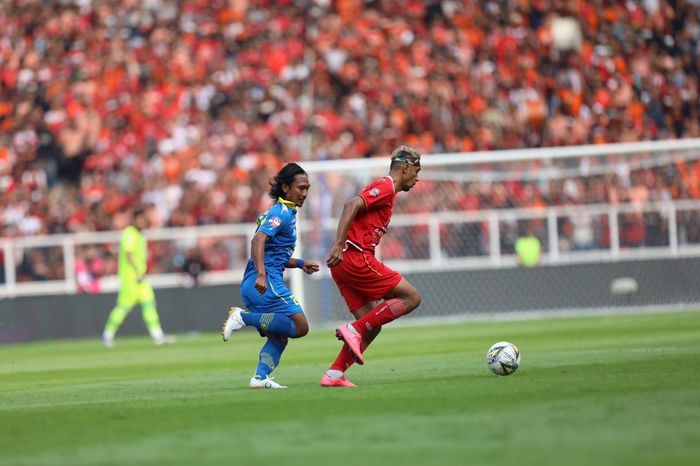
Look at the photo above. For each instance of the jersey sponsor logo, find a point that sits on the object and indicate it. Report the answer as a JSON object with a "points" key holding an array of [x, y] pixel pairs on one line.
{"points": [[374, 192], [275, 222], [377, 236]]}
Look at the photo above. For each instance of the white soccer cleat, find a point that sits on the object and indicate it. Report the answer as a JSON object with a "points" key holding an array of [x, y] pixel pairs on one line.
{"points": [[265, 383], [233, 322], [107, 341], [164, 340]]}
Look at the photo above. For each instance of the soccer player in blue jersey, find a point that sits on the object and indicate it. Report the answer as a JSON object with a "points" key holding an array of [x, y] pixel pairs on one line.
{"points": [[272, 308]]}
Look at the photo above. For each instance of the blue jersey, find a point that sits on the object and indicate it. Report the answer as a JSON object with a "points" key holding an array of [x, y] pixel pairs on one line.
{"points": [[279, 223]]}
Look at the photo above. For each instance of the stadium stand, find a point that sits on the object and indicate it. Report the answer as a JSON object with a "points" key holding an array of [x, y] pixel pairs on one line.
{"points": [[191, 106]]}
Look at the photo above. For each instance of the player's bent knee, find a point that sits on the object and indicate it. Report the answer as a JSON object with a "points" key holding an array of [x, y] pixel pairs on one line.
{"points": [[414, 300], [302, 330]]}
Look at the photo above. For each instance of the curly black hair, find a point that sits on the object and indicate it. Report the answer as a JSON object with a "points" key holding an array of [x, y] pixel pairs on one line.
{"points": [[285, 176]]}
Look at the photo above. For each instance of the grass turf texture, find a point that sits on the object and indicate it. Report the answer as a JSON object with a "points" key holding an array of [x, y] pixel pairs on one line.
{"points": [[604, 390]]}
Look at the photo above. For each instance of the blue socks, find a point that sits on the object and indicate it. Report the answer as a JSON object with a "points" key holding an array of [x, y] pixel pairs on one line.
{"points": [[270, 355], [271, 352], [269, 322]]}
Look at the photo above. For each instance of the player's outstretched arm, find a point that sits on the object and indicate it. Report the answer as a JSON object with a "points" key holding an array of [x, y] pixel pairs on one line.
{"points": [[308, 267]]}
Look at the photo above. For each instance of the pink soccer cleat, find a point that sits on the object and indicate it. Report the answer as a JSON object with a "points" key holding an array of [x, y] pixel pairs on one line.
{"points": [[339, 382], [353, 340]]}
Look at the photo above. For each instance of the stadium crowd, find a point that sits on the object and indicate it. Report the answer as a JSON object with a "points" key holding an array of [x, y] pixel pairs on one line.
{"points": [[191, 106]]}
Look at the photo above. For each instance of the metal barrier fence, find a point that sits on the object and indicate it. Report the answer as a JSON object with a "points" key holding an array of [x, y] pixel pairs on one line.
{"points": [[435, 242]]}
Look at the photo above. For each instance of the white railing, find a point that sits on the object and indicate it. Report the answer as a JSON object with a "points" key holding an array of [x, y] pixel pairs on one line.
{"points": [[494, 258], [13, 249], [435, 260]]}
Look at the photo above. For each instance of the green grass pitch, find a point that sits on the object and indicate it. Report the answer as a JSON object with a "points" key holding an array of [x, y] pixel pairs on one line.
{"points": [[601, 390]]}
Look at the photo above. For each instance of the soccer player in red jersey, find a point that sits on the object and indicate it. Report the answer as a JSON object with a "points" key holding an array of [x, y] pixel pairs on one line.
{"points": [[361, 278]]}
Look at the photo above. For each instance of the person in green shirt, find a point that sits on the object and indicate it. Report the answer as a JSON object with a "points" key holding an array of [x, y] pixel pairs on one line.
{"points": [[133, 286], [528, 248]]}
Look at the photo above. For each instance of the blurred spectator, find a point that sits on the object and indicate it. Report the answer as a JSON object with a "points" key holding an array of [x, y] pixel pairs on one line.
{"points": [[34, 266], [89, 267], [191, 106], [190, 264], [183, 104]]}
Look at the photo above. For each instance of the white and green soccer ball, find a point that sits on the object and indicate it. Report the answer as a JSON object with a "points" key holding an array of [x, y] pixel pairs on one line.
{"points": [[503, 358]]}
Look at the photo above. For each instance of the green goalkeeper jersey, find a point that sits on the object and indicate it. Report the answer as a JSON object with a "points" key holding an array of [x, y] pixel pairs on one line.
{"points": [[134, 242]]}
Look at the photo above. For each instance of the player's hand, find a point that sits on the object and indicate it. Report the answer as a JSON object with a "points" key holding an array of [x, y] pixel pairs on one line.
{"points": [[310, 267], [261, 284], [335, 256]]}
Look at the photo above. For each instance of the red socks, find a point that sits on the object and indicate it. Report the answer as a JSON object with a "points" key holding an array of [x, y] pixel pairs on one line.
{"points": [[380, 315], [344, 359]]}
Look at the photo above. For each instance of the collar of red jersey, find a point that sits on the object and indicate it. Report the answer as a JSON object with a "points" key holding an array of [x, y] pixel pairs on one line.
{"points": [[289, 204]]}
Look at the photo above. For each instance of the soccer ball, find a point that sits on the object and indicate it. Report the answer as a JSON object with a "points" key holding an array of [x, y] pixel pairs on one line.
{"points": [[503, 358]]}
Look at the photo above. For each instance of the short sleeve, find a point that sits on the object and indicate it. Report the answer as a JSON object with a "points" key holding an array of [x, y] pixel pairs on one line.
{"points": [[378, 194], [274, 222]]}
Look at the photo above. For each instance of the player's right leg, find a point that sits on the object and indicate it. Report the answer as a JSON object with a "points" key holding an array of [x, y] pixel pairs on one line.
{"points": [[126, 299], [233, 322], [265, 322], [149, 312]]}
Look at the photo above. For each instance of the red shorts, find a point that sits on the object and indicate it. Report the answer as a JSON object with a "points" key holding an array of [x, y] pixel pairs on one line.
{"points": [[361, 278]]}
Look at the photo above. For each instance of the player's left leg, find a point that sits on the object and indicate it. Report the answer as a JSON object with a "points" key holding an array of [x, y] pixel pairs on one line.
{"points": [[335, 375], [272, 350], [270, 356], [401, 300], [149, 312]]}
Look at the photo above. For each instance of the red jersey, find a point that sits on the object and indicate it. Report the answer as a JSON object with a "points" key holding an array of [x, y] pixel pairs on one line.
{"points": [[370, 224]]}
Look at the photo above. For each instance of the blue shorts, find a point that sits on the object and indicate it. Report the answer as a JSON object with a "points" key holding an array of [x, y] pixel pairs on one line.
{"points": [[277, 298]]}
